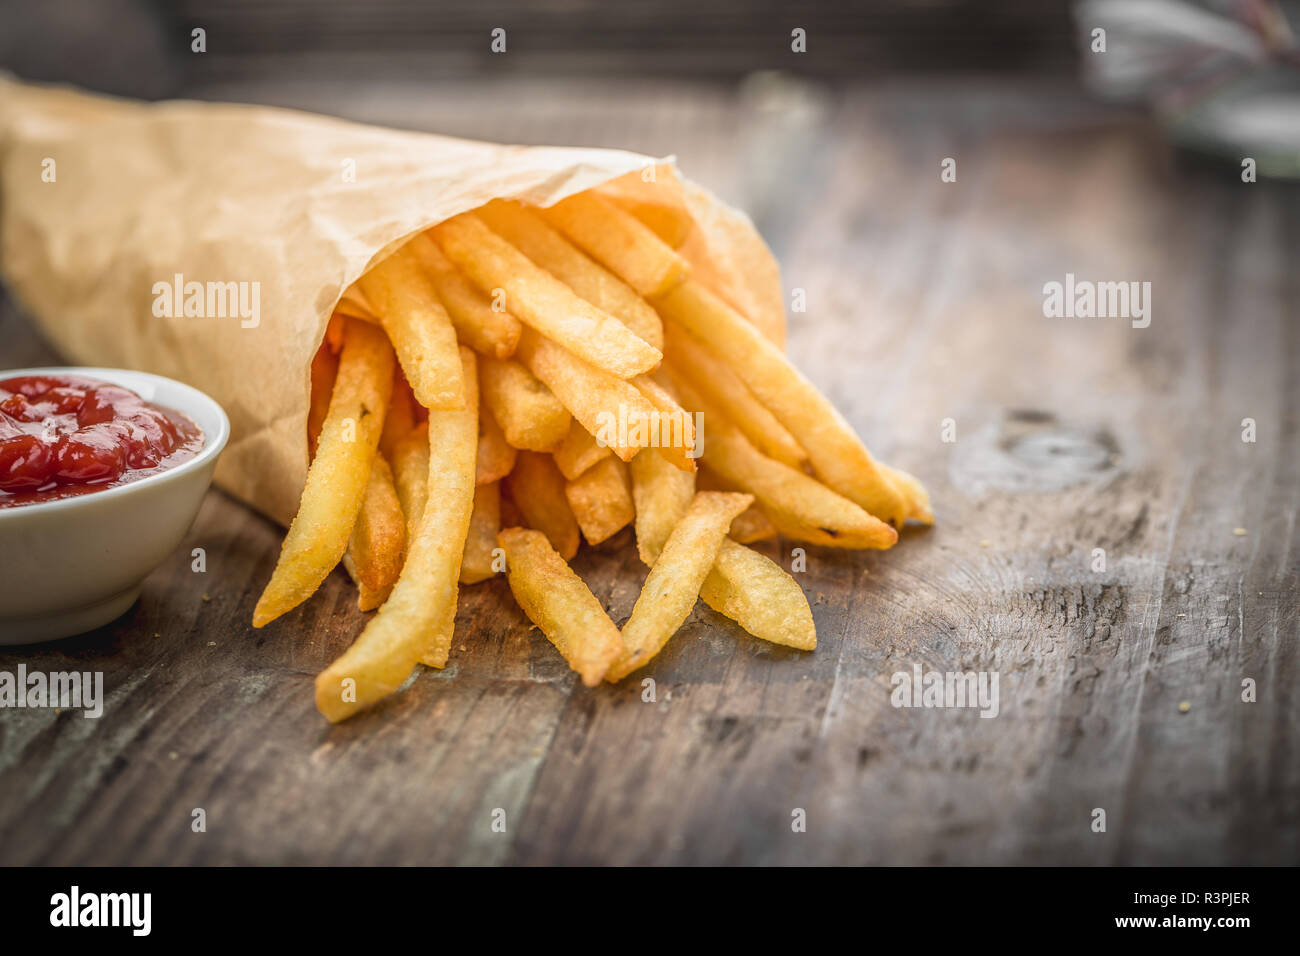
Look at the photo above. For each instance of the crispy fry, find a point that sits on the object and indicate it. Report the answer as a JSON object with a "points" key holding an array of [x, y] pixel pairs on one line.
{"points": [[751, 525], [676, 577], [484, 523], [715, 380], [334, 333], [837, 454], [601, 499], [419, 327], [673, 428], [746, 586], [579, 451], [540, 300], [791, 499], [537, 488], [487, 330], [527, 411], [670, 223], [410, 463], [593, 396], [496, 456], [337, 479], [527, 232], [511, 516], [918, 499], [324, 369], [378, 542], [560, 604], [619, 241], [661, 493], [415, 623], [401, 416]]}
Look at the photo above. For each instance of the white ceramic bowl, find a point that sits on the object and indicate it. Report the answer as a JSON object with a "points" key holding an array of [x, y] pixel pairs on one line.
{"points": [[73, 564]]}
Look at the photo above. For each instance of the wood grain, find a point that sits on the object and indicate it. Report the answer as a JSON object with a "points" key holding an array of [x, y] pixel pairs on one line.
{"points": [[924, 304]]}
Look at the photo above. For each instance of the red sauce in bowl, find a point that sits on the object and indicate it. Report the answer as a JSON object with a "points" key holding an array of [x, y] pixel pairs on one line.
{"points": [[65, 435]]}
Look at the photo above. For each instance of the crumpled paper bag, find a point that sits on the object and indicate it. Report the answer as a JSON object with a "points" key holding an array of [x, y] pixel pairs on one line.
{"points": [[104, 203]]}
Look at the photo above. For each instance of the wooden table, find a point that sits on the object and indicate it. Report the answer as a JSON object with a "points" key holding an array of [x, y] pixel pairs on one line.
{"points": [[1120, 688]]}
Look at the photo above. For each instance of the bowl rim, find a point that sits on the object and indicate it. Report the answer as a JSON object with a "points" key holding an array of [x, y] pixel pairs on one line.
{"points": [[212, 443]]}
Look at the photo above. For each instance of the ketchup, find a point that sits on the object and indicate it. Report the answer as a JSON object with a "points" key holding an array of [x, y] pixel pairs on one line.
{"points": [[63, 435]]}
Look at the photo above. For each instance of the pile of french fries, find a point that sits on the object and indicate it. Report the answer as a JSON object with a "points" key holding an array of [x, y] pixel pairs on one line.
{"points": [[516, 379]]}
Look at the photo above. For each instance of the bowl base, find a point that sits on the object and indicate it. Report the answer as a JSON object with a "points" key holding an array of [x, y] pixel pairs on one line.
{"points": [[66, 623]]}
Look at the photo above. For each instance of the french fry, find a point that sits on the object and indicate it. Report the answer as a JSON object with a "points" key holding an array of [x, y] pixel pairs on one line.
{"points": [[715, 380], [484, 523], [560, 604], [674, 427], [752, 524], [334, 333], [400, 418], [619, 241], [410, 463], [419, 328], [378, 542], [415, 622], [670, 223], [537, 488], [579, 451], [496, 456], [527, 232], [601, 499], [324, 369], [918, 499], [527, 411], [593, 396], [338, 475], [744, 585], [540, 300], [835, 451], [675, 578], [661, 494], [511, 516], [791, 499], [487, 330]]}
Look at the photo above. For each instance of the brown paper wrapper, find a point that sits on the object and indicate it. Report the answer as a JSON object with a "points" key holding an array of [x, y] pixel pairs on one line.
{"points": [[102, 199]]}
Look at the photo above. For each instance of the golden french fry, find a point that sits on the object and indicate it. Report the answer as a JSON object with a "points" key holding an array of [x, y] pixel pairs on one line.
{"points": [[324, 369], [579, 451], [496, 456], [746, 586], [511, 516], [410, 464], [421, 332], [537, 489], [791, 499], [400, 418], [378, 542], [484, 523], [527, 232], [619, 241], [753, 524], [593, 396], [714, 379], [540, 300], [601, 499], [669, 222], [918, 499], [675, 578], [337, 479], [756, 593], [661, 493], [334, 333], [527, 411], [415, 622], [485, 329], [673, 428], [835, 451], [560, 604]]}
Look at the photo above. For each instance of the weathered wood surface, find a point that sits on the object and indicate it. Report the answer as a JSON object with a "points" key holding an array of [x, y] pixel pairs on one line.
{"points": [[924, 303]]}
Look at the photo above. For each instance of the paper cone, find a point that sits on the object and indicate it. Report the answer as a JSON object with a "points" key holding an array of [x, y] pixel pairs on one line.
{"points": [[105, 202]]}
